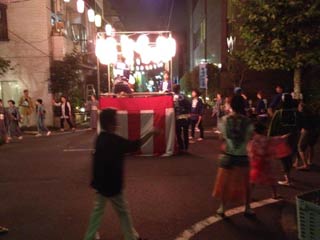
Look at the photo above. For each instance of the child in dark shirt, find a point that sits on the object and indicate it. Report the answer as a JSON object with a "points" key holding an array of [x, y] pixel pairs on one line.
{"points": [[108, 167]]}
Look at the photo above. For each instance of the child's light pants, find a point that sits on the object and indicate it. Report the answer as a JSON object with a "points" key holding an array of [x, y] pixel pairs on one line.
{"points": [[119, 204]]}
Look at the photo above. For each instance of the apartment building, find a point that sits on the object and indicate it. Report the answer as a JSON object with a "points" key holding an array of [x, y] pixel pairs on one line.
{"points": [[34, 33], [210, 32]]}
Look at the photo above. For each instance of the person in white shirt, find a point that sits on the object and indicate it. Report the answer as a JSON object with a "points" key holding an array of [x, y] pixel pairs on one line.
{"points": [[166, 84], [65, 114]]}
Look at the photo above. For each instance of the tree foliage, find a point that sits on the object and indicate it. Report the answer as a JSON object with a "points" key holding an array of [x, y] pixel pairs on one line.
{"points": [[5, 65], [65, 76], [282, 34], [190, 80]]}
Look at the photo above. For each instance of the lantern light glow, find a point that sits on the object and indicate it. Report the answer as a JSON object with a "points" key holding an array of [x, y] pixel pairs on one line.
{"points": [[98, 20], [80, 6], [91, 15], [151, 54]]}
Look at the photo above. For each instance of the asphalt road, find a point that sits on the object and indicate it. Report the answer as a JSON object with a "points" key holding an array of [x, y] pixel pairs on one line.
{"points": [[45, 193]]}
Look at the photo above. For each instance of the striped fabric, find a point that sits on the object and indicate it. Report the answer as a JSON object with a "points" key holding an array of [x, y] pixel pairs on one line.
{"points": [[137, 116]]}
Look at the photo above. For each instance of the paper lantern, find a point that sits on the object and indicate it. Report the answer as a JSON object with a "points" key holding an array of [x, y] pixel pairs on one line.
{"points": [[91, 15], [108, 29], [98, 20], [172, 46], [80, 6], [142, 43]]}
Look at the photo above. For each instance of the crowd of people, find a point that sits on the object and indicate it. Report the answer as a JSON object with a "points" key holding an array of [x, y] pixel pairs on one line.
{"points": [[13, 117], [253, 136]]}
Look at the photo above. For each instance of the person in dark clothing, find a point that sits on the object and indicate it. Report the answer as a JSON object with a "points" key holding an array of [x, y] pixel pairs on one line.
{"points": [[309, 134], [261, 108], [108, 174], [121, 86], [276, 101], [197, 109], [286, 121], [182, 110]]}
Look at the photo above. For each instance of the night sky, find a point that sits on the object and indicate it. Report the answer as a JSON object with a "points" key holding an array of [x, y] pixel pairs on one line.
{"points": [[148, 15]]}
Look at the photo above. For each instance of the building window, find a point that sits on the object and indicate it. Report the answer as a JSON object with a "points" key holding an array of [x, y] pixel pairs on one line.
{"points": [[3, 23], [9, 90]]}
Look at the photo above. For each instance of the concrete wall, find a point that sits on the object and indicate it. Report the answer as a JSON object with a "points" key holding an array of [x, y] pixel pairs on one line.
{"points": [[28, 49]]}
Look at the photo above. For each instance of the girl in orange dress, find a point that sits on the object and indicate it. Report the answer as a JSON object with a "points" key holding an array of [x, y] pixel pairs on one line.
{"points": [[262, 150]]}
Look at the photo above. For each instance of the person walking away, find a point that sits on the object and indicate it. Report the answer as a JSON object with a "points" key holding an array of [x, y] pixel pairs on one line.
{"points": [[232, 181], [261, 108], [93, 107], [182, 111], [108, 174], [41, 115], [197, 109], [286, 121], [65, 113], [309, 135], [13, 121], [276, 101], [262, 150], [217, 111], [26, 107], [3, 124]]}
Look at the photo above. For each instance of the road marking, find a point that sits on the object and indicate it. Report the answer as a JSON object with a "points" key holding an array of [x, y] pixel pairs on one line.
{"points": [[199, 226], [78, 150]]}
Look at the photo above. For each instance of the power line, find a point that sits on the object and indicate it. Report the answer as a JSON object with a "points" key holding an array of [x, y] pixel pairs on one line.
{"points": [[170, 15], [28, 43]]}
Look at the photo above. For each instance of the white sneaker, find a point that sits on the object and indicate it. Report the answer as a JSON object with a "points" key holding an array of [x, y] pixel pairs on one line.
{"points": [[20, 138], [190, 138], [38, 135], [284, 183], [48, 133], [200, 139]]}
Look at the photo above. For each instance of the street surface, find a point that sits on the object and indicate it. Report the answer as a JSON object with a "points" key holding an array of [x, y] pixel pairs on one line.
{"points": [[45, 194]]}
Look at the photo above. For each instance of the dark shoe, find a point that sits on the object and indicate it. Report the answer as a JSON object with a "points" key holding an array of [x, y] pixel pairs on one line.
{"points": [[3, 230], [249, 213], [278, 197]]}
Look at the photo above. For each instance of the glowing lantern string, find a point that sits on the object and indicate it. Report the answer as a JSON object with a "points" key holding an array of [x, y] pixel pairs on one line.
{"points": [[152, 54]]}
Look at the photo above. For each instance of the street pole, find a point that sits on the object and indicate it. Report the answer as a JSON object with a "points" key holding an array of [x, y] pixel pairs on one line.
{"points": [[109, 79], [98, 78], [171, 74]]}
